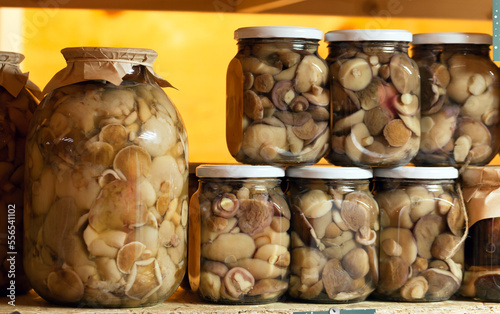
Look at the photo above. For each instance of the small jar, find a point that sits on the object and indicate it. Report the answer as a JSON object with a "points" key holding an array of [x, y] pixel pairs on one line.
{"points": [[375, 98], [481, 190], [238, 240], [460, 99], [18, 101], [106, 175], [277, 109], [334, 234], [422, 229]]}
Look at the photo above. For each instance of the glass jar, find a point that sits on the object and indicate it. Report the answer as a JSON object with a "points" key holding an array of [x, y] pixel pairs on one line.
{"points": [[481, 190], [422, 230], [106, 211], [277, 102], [375, 98], [239, 245], [334, 234], [18, 101], [460, 99]]}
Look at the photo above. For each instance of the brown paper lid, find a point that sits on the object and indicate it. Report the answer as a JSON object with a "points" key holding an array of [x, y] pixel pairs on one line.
{"points": [[11, 76], [102, 63], [481, 192]]}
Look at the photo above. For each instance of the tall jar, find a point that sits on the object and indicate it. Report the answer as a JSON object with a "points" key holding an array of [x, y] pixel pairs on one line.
{"points": [[481, 190], [18, 101], [375, 98], [277, 97], [106, 211], [422, 230], [239, 245], [334, 234], [460, 99]]}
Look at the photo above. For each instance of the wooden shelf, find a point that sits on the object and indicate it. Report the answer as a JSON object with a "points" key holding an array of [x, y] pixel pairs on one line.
{"points": [[383, 9], [188, 302]]}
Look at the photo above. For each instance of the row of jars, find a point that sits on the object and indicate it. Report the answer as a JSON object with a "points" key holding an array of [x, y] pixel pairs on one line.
{"points": [[330, 240], [368, 105]]}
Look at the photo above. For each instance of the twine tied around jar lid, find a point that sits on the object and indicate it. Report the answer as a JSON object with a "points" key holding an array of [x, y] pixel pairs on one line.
{"points": [[481, 191], [11, 76], [103, 63]]}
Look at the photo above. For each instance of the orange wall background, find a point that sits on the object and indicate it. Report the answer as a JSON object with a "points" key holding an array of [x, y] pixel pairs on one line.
{"points": [[194, 51]]}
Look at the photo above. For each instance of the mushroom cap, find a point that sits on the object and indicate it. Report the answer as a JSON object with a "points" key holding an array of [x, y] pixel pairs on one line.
{"points": [[394, 272], [438, 129], [405, 239], [404, 73], [144, 279], [415, 288], [356, 263], [445, 246], [476, 130], [462, 68], [355, 74], [442, 283], [254, 215], [115, 135], [357, 210], [335, 278], [65, 286], [117, 207], [395, 208], [315, 203], [133, 162], [422, 201], [310, 71], [260, 136], [425, 231]]}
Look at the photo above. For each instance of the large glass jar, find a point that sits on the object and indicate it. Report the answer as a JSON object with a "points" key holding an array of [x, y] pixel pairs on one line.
{"points": [[334, 234], [460, 99], [481, 190], [422, 230], [277, 102], [106, 208], [375, 98], [18, 101], [238, 239]]}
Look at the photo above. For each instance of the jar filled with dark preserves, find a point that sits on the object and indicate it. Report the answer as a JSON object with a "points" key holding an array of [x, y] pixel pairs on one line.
{"points": [[481, 190], [460, 99], [375, 98], [277, 102], [19, 98]]}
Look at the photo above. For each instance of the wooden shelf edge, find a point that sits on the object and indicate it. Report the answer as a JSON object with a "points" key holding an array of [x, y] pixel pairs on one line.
{"points": [[377, 9], [183, 301]]}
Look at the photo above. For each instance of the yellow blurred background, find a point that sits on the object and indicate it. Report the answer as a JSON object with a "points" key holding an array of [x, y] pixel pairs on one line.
{"points": [[194, 51]]}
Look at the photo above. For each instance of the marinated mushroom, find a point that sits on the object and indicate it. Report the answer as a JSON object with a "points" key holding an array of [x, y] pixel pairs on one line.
{"points": [[426, 230], [238, 281], [394, 272], [311, 71], [355, 74], [405, 239], [415, 288], [335, 278]]}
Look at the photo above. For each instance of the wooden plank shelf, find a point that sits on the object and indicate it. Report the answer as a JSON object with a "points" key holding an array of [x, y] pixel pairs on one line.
{"points": [[184, 302], [383, 9]]}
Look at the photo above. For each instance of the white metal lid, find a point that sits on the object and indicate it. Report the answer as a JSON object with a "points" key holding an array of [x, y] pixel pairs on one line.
{"points": [[452, 38], [417, 173], [239, 171], [369, 35], [278, 32], [329, 172]]}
